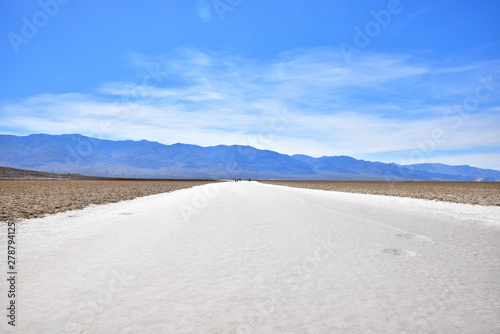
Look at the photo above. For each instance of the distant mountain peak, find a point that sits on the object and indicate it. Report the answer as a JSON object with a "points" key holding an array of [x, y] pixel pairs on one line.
{"points": [[75, 153]]}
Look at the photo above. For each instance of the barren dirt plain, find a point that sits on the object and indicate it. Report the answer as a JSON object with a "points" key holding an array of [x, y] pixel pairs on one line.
{"points": [[482, 193], [20, 199]]}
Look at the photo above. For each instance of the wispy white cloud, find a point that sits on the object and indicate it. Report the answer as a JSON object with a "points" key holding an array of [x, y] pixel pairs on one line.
{"points": [[304, 101]]}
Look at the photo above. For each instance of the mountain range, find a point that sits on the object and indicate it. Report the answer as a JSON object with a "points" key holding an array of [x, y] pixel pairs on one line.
{"points": [[74, 153]]}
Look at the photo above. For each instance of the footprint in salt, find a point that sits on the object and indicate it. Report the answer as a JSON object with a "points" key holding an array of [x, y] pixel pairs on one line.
{"points": [[413, 236], [399, 252]]}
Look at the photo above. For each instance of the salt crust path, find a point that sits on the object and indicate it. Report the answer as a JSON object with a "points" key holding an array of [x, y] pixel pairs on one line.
{"points": [[257, 258]]}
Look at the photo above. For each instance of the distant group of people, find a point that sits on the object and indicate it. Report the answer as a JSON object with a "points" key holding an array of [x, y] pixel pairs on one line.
{"points": [[239, 180]]}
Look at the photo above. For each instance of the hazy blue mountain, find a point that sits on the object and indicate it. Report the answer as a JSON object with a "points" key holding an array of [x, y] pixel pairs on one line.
{"points": [[75, 153], [463, 171]]}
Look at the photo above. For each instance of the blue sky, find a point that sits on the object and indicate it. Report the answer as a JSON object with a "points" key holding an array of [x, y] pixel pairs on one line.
{"points": [[395, 81]]}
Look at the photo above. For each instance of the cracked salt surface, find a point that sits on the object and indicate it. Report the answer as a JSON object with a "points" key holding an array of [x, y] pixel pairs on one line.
{"points": [[257, 258]]}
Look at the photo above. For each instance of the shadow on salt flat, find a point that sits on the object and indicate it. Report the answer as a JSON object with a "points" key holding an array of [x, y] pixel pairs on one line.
{"points": [[399, 252]]}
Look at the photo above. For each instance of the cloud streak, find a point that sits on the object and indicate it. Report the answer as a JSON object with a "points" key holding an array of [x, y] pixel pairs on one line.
{"points": [[379, 104]]}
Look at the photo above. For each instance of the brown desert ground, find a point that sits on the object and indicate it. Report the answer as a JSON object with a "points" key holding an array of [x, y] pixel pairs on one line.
{"points": [[482, 193], [20, 199], [31, 198], [16, 173]]}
